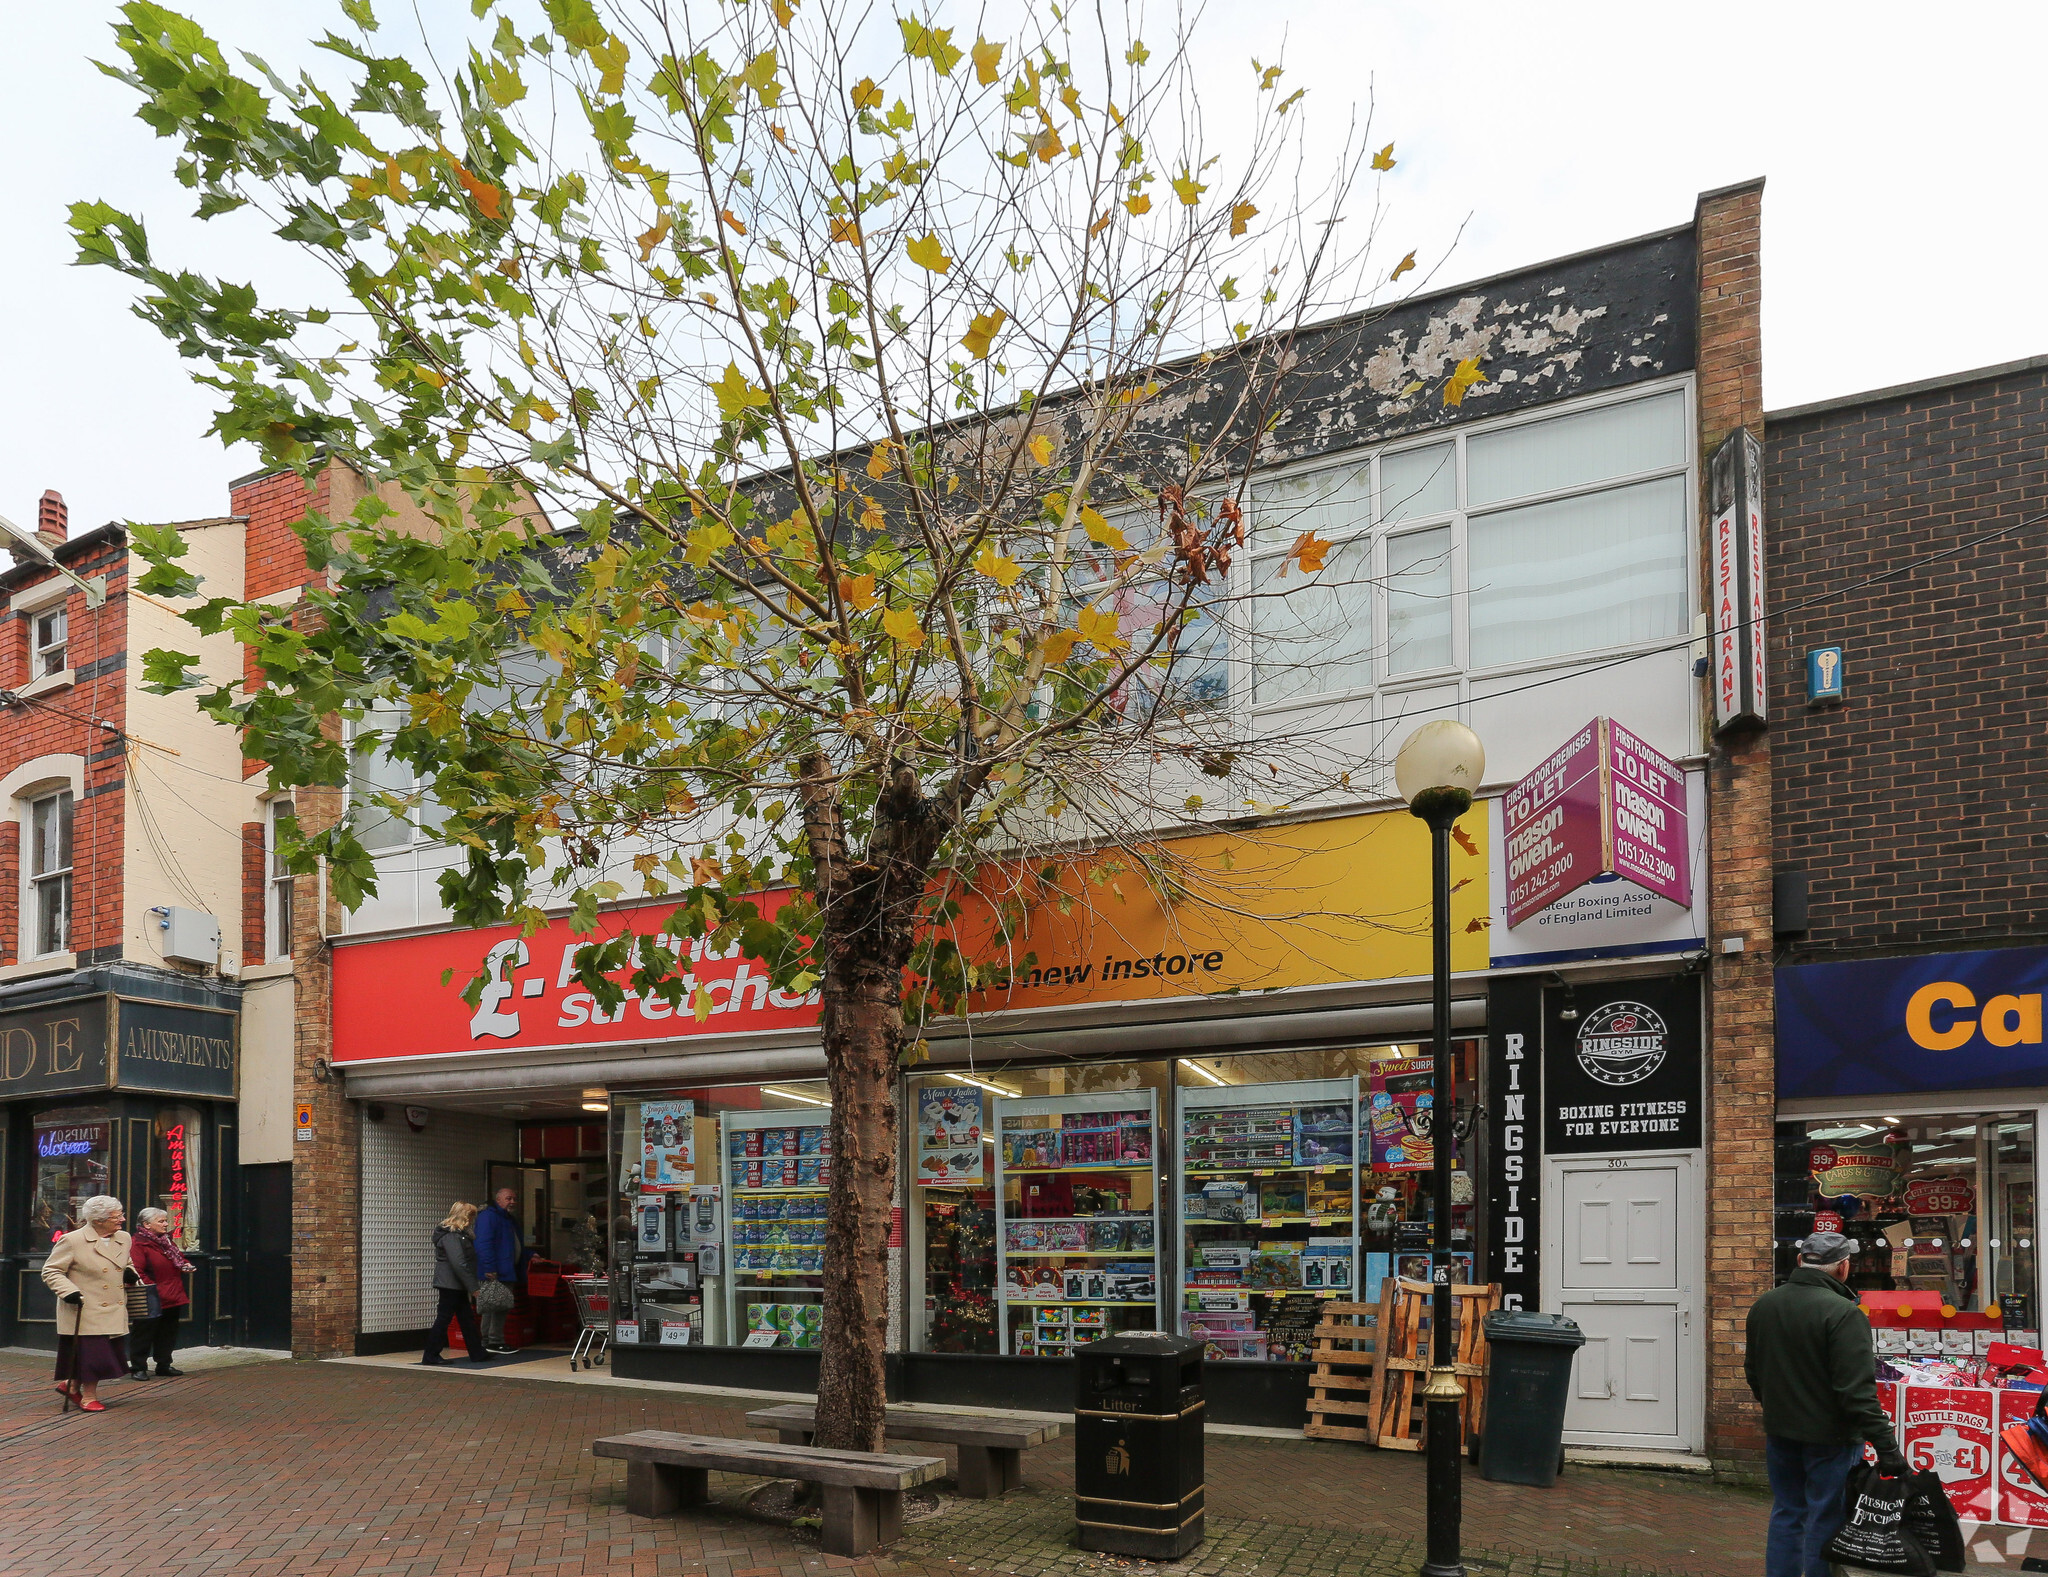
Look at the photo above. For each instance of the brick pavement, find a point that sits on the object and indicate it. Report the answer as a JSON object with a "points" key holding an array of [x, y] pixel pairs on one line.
{"points": [[350, 1471]]}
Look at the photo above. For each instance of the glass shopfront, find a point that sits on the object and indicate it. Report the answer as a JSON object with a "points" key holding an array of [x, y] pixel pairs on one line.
{"points": [[1221, 1197], [1940, 1204]]}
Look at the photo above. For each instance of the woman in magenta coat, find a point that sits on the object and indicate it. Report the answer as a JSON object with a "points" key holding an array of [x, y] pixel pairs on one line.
{"points": [[158, 1261]]}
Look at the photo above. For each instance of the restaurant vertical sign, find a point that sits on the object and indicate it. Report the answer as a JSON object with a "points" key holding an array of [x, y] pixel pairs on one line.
{"points": [[1604, 804]]}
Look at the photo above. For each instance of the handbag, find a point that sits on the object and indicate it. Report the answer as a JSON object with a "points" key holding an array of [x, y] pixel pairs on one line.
{"points": [[492, 1296], [144, 1302]]}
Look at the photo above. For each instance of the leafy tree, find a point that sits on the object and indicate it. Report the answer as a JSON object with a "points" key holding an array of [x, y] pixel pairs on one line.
{"points": [[834, 428]]}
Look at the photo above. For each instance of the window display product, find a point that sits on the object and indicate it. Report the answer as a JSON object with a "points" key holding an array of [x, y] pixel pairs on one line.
{"points": [[778, 1175], [1269, 1197], [1077, 1223]]}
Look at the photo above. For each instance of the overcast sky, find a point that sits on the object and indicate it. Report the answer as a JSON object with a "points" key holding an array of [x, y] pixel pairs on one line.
{"points": [[1903, 227]]}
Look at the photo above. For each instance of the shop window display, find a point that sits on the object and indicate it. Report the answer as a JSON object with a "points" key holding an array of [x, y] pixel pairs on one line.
{"points": [[73, 1148], [1940, 1206], [1076, 1218], [717, 1235]]}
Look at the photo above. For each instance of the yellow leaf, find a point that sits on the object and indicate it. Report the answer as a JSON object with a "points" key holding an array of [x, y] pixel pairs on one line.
{"points": [[726, 215], [1071, 97], [1099, 226], [1100, 530], [988, 61], [878, 460], [866, 95], [1003, 571], [846, 230], [610, 58], [1384, 159], [1468, 373], [784, 10], [1309, 551], [1267, 77], [650, 239], [1141, 204], [1189, 188], [858, 592], [1059, 646], [1099, 629], [928, 253], [778, 134], [1241, 218], [871, 516], [1041, 449], [901, 624], [1404, 266], [981, 332], [735, 394], [1414, 387]]}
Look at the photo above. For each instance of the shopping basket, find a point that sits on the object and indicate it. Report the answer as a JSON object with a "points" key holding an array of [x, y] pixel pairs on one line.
{"points": [[593, 1296]]}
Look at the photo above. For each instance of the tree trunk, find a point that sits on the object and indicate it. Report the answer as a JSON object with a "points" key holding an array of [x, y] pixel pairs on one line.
{"points": [[862, 1032]]}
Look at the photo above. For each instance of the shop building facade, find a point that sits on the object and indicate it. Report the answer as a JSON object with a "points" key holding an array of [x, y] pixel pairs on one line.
{"points": [[1912, 895], [133, 1060], [1163, 1127]]}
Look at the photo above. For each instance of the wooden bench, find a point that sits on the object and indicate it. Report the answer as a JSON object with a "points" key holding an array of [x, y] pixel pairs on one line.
{"points": [[991, 1449], [863, 1490]]}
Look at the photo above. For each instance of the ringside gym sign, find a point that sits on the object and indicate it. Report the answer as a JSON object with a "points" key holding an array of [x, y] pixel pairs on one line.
{"points": [[1893, 1026]]}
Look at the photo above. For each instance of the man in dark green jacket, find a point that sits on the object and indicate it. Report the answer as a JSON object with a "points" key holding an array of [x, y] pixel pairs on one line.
{"points": [[1809, 1360]]}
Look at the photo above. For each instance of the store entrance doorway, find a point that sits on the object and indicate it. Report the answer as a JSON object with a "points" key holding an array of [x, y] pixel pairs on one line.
{"points": [[1624, 1227]]}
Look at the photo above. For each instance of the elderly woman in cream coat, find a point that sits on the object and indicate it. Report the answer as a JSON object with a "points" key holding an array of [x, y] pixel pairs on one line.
{"points": [[90, 1272]]}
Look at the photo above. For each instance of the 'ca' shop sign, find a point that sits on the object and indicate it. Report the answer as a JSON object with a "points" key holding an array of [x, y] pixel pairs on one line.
{"points": [[1603, 804], [1624, 1074], [1892, 1026]]}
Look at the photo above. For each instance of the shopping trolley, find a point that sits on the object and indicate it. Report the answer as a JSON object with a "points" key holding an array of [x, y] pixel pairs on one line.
{"points": [[593, 1296]]}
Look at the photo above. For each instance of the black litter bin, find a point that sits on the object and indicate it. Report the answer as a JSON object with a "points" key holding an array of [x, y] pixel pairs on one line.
{"points": [[1528, 1385], [1138, 1445]]}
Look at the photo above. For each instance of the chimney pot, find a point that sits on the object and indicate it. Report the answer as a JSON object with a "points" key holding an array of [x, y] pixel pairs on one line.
{"points": [[53, 520]]}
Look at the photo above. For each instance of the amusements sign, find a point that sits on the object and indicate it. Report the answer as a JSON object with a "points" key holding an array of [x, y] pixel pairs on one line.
{"points": [[1605, 804]]}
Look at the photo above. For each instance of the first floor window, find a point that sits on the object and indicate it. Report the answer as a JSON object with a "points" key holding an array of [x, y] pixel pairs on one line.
{"points": [[52, 636], [50, 874], [277, 888]]}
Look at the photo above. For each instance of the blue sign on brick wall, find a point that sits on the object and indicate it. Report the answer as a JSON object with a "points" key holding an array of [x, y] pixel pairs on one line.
{"points": [[1823, 675], [1895, 1026]]}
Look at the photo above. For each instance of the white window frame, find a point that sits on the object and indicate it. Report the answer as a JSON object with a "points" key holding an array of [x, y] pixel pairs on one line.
{"points": [[1387, 691], [277, 886], [35, 882], [417, 836], [49, 658]]}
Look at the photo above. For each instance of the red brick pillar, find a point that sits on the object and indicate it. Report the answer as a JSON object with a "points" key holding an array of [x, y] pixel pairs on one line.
{"points": [[326, 1181], [1741, 1068]]}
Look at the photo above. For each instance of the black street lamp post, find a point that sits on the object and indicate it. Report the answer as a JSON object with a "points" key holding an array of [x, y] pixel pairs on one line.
{"points": [[1438, 768]]}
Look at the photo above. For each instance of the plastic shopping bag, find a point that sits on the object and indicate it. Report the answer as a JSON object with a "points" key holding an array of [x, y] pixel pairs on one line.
{"points": [[1874, 1534], [1932, 1522]]}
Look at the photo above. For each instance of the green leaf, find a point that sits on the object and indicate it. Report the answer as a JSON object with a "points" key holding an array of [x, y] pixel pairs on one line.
{"points": [[736, 396], [922, 41]]}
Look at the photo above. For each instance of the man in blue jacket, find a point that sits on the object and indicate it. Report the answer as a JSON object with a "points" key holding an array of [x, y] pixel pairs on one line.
{"points": [[499, 1255]]}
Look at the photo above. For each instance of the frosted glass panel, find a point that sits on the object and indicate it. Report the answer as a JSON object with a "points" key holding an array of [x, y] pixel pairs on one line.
{"points": [[1330, 503], [1418, 482], [1568, 451], [1419, 601], [1313, 632], [1578, 574]]}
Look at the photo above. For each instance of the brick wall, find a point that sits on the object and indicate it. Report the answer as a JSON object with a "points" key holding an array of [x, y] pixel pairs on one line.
{"points": [[255, 945], [1740, 1068], [69, 721], [1919, 806]]}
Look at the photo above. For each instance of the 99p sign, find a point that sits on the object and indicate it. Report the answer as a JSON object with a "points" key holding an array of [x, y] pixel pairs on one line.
{"points": [[1940, 1196]]}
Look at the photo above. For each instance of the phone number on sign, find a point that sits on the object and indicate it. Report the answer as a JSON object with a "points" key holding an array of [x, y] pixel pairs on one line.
{"points": [[1544, 879]]}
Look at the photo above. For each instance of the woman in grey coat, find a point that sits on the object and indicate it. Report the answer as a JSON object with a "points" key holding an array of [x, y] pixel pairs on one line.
{"points": [[455, 1281]]}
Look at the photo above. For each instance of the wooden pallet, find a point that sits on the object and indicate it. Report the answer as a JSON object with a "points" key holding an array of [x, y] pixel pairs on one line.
{"points": [[1340, 1384], [1396, 1409]]}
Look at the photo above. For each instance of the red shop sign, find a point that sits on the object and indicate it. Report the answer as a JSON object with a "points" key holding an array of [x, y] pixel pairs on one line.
{"points": [[1948, 1429], [1940, 1196]]}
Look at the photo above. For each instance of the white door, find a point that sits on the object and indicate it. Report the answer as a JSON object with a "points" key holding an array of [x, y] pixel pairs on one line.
{"points": [[1622, 1248]]}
